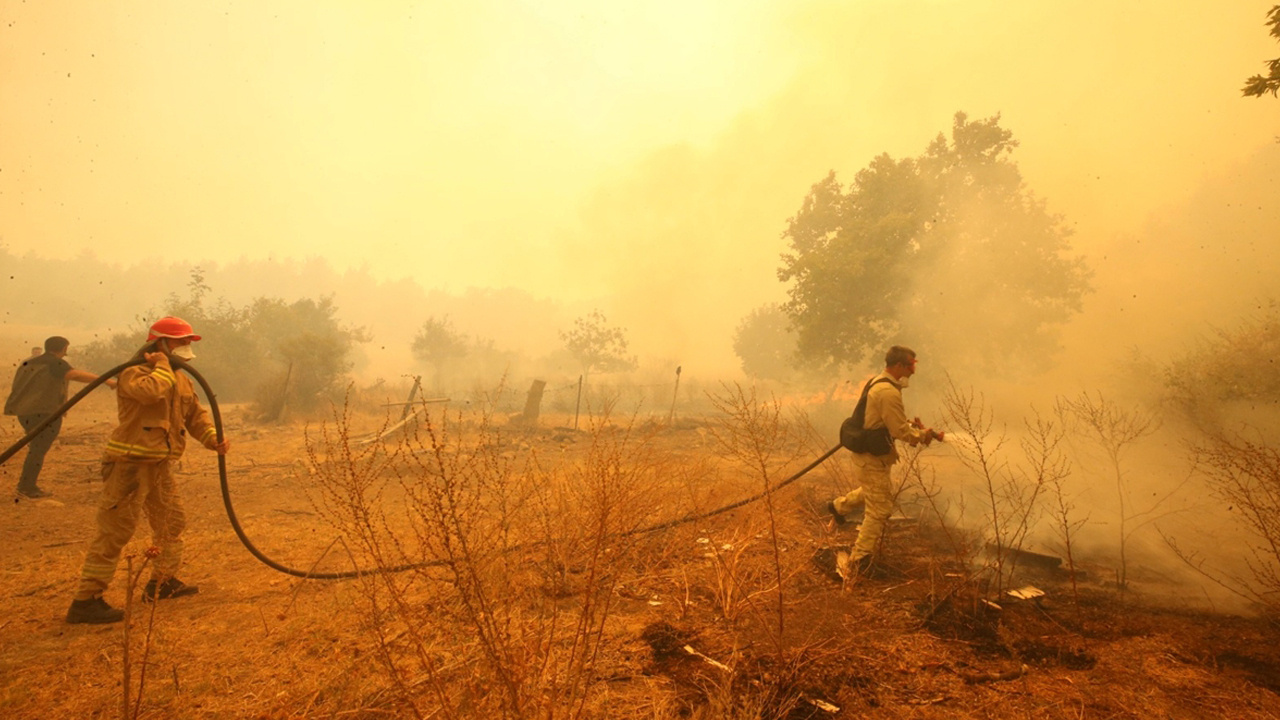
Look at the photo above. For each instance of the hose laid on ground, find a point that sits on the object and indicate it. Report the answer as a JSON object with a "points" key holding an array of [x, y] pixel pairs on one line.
{"points": [[312, 575], [735, 505]]}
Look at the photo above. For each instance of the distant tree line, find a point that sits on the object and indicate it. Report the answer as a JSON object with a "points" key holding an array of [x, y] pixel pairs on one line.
{"points": [[269, 351], [592, 345]]}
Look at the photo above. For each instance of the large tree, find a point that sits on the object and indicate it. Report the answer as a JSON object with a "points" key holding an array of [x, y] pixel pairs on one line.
{"points": [[948, 252], [766, 345], [441, 346], [1260, 85], [598, 346]]}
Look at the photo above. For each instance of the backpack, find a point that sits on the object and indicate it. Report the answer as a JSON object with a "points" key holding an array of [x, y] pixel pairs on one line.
{"points": [[20, 397], [859, 439]]}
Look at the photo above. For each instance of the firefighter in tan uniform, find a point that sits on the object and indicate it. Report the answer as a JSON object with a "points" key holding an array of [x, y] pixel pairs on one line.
{"points": [[158, 410], [876, 495]]}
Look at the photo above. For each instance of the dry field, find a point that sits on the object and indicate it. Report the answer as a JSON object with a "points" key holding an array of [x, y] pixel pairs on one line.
{"points": [[533, 594]]}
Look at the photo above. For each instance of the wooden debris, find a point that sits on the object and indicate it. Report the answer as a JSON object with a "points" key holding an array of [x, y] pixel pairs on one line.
{"points": [[974, 678], [711, 661], [375, 438], [1026, 593], [822, 705], [1028, 558]]}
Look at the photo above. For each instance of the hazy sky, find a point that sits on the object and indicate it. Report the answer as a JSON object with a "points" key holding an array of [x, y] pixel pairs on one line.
{"points": [[415, 137], [648, 153]]}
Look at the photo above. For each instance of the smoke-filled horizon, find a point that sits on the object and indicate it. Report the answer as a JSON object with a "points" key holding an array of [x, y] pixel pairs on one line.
{"points": [[512, 165], [643, 160]]}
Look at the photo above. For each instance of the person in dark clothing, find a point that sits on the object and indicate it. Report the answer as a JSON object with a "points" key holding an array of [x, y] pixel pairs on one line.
{"points": [[39, 389]]}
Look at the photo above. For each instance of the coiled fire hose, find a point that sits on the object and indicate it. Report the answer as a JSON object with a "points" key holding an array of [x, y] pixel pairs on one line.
{"points": [[311, 574]]}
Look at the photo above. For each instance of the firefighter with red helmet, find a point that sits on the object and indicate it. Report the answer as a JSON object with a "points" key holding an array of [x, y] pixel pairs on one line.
{"points": [[158, 410]]}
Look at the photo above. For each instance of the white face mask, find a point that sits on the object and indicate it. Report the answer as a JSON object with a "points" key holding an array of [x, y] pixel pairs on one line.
{"points": [[183, 352]]}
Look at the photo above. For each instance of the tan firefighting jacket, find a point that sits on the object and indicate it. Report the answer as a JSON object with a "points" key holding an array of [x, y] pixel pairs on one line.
{"points": [[157, 407], [885, 409]]}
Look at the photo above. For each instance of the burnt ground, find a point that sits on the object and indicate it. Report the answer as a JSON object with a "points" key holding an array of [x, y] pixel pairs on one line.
{"points": [[918, 638]]}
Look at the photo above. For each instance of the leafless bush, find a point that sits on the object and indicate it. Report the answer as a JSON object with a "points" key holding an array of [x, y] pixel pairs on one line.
{"points": [[739, 576], [754, 433], [924, 490], [1245, 475], [1043, 447], [493, 573], [1010, 494], [943, 514], [757, 693], [1115, 430]]}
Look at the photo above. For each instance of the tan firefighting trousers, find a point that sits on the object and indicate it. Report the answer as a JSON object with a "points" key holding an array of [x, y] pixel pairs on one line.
{"points": [[876, 494], [131, 489]]}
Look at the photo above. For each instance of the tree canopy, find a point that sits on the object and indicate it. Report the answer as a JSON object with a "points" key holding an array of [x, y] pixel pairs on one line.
{"points": [[438, 344], [597, 346], [1260, 85], [947, 252], [456, 356], [766, 345], [272, 351]]}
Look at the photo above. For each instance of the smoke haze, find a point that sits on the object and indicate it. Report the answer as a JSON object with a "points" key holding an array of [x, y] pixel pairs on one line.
{"points": [[639, 159], [512, 165]]}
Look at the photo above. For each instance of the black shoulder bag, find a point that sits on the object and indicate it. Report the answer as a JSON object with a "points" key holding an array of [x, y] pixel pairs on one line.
{"points": [[860, 440]]}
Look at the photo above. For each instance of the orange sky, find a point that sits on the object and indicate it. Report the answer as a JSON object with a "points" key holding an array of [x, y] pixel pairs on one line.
{"points": [[642, 157]]}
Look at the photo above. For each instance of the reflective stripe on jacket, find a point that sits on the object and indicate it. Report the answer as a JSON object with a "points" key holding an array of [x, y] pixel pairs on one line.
{"points": [[157, 407]]}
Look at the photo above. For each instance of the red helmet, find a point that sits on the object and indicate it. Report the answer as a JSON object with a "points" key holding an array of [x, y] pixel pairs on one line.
{"points": [[171, 327]]}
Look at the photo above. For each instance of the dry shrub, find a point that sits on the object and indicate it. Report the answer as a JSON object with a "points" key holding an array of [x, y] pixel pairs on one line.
{"points": [[1043, 443], [743, 572], [755, 435], [1245, 475], [921, 490], [1115, 429], [1226, 367], [492, 573], [1010, 489]]}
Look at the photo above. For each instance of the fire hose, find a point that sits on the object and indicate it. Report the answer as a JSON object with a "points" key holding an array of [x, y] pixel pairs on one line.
{"points": [[313, 575]]}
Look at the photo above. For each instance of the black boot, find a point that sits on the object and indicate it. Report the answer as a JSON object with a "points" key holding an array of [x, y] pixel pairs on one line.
{"points": [[864, 566], [171, 588], [835, 514], [94, 611]]}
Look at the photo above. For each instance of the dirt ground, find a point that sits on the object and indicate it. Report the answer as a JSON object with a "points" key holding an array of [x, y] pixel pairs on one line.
{"points": [[914, 640]]}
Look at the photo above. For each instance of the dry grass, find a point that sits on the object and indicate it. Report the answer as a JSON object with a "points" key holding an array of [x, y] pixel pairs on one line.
{"points": [[536, 612]]}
